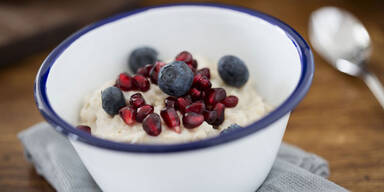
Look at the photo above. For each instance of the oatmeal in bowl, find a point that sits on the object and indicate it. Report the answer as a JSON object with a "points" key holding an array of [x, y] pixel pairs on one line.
{"points": [[183, 100]]}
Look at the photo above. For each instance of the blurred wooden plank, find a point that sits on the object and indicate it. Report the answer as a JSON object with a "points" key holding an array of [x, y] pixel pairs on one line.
{"points": [[29, 26]]}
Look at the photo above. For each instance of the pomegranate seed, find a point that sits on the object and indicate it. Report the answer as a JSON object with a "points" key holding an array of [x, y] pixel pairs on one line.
{"points": [[171, 119], [144, 71], [196, 79], [128, 114], [214, 96], [205, 72], [230, 101], [154, 73], [194, 64], [137, 100], [210, 116], [148, 68], [195, 94], [197, 107], [84, 128], [170, 102], [185, 56], [201, 81], [141, 83], [159, 65], [192, 120], [152, 124], [141, 71], [125, 82], [205, 83], [182, 104], [143, 111], [220, 109], [154, 76]]}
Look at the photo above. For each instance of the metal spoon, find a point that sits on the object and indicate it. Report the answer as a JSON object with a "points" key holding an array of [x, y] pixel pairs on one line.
{"points": [[344, 42]]}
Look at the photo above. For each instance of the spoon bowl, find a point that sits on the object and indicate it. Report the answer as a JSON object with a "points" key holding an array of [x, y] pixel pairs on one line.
{"points": [[343, 41]]}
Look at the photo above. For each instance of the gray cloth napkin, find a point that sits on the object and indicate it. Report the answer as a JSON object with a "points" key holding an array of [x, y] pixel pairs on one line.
{"points": [[55, 159]]}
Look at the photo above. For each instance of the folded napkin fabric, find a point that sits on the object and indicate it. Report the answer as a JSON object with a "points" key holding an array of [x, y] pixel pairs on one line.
{"points": [[56, 160]]}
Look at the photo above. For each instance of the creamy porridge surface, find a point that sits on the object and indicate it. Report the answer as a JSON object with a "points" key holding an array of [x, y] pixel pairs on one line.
{"points": [[249, 108]]}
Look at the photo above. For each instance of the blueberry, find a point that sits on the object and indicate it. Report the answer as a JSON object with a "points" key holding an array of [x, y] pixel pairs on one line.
{"points": [[233, 71], [230, 129], [141, 57], [175, 78], [112, 100]]}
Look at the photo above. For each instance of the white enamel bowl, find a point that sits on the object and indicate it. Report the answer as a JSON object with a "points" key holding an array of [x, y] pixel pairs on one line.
{"points": [[279, 60]]}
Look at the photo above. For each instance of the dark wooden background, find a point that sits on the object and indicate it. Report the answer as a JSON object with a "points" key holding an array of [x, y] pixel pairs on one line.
{"points": [[27, 26], [339, 119]]}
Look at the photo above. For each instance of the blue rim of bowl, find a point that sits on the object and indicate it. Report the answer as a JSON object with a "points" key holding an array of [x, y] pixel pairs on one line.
{"points": [[71, 132]]}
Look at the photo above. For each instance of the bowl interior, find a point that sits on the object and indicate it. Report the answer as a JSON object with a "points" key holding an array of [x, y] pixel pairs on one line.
{"points": [[101, 54]]}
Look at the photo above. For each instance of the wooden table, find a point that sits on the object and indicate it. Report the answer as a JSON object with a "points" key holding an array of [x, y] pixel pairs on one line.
{"points": [[339, 119], [27, 27]]}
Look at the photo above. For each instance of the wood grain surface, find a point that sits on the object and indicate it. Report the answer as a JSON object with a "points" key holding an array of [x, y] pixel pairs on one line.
{"points": [[27, 27], [339, 119]]}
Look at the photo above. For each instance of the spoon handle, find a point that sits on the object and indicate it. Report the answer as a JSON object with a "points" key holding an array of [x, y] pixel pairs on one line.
{"points": [[375, 86]]}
